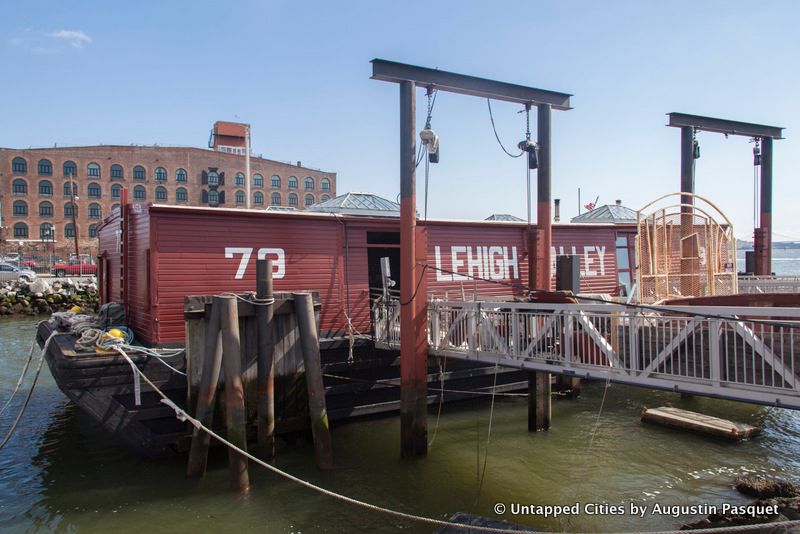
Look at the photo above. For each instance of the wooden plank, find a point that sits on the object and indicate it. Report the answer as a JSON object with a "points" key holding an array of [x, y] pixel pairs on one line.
{"points": [[698, 422]]}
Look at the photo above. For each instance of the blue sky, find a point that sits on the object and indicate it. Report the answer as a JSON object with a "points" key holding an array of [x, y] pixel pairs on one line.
{"points": [[162, 72]]}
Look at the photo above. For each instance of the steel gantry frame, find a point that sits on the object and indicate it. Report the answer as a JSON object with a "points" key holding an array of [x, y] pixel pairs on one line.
{"points": [[413, 313], [689, 124]]}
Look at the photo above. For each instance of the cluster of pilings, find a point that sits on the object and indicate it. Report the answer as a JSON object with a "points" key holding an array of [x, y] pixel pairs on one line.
{"points": [[228, 319]]}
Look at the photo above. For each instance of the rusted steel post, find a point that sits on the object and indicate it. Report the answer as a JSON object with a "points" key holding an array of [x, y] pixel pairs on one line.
{"points": [[309, 341], [265, 382], [763, 245], [235, 418], [543, 220], [687, 211], [539, 401], [206, 395], [413, 368]]}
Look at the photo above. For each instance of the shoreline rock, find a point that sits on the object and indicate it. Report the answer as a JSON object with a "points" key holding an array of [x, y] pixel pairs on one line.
{"points": [[781, 495], [43, 298]]}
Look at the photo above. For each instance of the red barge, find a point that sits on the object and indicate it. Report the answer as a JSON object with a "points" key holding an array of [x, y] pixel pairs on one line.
{"points": [[152, 256]]}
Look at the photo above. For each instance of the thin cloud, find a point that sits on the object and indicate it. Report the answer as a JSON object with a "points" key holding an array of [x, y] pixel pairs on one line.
{"points": [[76, 38]]}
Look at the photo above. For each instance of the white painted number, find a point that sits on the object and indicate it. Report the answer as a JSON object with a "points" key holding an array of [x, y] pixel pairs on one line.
{"points": [[278, 262]]}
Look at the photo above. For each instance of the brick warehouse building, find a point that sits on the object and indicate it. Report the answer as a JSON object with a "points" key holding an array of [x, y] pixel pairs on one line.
{"points": [[35, 198]]}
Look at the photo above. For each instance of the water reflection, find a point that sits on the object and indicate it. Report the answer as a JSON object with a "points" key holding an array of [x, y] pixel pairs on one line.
{"points": [[64, 473]]}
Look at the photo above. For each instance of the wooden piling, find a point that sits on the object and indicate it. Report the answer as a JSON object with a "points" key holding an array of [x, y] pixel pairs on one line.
{"points": [[309, 340], [234, 391], [265, 383], [210, 361], [539, 401]]}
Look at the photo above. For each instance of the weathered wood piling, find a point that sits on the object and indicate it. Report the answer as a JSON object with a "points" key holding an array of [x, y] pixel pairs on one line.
{"points": [[269, 348]]}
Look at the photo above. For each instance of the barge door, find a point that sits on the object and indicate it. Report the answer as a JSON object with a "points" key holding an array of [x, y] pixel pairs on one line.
{"points": [[383, 245]]}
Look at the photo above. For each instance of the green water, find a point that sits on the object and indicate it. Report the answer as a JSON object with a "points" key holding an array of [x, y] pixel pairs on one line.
{"points": [[61, 473]]}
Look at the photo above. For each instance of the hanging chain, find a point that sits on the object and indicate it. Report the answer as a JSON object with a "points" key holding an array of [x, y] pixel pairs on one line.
{"points": [[528, 122]]}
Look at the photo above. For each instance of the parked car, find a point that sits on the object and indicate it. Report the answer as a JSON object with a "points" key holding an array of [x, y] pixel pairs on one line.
{"points": [[74, 267], [9, 272]]}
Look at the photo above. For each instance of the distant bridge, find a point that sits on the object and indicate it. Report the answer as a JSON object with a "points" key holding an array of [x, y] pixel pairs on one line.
{"points": [[742, 354]]}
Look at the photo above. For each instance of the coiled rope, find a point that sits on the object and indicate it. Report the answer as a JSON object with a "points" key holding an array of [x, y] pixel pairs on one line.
{"points": [[181, 415]]}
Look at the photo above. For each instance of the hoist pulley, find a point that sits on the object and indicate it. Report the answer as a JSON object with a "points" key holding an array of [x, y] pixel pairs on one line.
{"points": [[427, 135], [527, 145], [756, 151]]}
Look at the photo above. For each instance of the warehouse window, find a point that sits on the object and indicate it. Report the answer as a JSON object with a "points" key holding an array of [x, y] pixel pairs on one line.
{"points": [[94, 190], [276, 199], [45, 209], [139, 193], [180, 176], [276, 181], [21, 231], [46, 188], [19, 187], [93, 170], [258, 198], [19, 166], [292, 199], [161, 193], [161, 174], [94, 211], [181, 195], [116, 172], [20, 208], [139, 173], [67, 192], [70, 169], [45, 167]]}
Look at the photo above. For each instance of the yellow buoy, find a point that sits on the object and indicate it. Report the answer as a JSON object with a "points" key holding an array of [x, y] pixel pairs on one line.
{"points": [[116, 332]]}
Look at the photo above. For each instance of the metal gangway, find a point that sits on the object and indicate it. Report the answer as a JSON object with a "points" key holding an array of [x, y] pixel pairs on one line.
{"points": [[742, 354]]}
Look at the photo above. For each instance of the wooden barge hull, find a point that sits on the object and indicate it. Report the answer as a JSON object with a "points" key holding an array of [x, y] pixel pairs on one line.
{"points": [[101, 384]]}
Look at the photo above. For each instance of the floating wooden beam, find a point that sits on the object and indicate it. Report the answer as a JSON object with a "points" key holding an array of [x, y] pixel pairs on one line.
{"points": [[698, 422]]}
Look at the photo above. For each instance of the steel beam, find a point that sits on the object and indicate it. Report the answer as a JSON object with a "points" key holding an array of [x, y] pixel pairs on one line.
{"points": [[724, 126], [390, 71]]}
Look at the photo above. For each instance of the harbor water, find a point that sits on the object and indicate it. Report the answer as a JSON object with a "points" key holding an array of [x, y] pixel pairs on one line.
{"points": [[62, 473]]}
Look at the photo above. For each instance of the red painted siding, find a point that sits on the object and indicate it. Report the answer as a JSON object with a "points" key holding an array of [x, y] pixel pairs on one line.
{"points": [[176, 252]]}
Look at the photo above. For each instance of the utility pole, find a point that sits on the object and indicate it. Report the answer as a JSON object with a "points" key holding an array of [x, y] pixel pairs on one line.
{"points": [[74, 221]]}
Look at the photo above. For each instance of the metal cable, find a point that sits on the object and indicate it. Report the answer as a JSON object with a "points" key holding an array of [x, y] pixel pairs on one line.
{"points": [[494, 129]]}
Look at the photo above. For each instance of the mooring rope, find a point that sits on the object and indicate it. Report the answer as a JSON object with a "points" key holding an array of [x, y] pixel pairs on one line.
{"points": [[30, 391], [181, 415], [21, 376]]}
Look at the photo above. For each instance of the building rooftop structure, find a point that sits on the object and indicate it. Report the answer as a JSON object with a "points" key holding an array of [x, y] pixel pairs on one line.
{"points": [[607, 214], [503, 217], [358, 204]]}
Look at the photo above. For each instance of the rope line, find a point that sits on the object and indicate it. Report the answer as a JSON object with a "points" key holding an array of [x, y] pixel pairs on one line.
{"points": [[30, 391], [21, 376], [181, 415]]}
